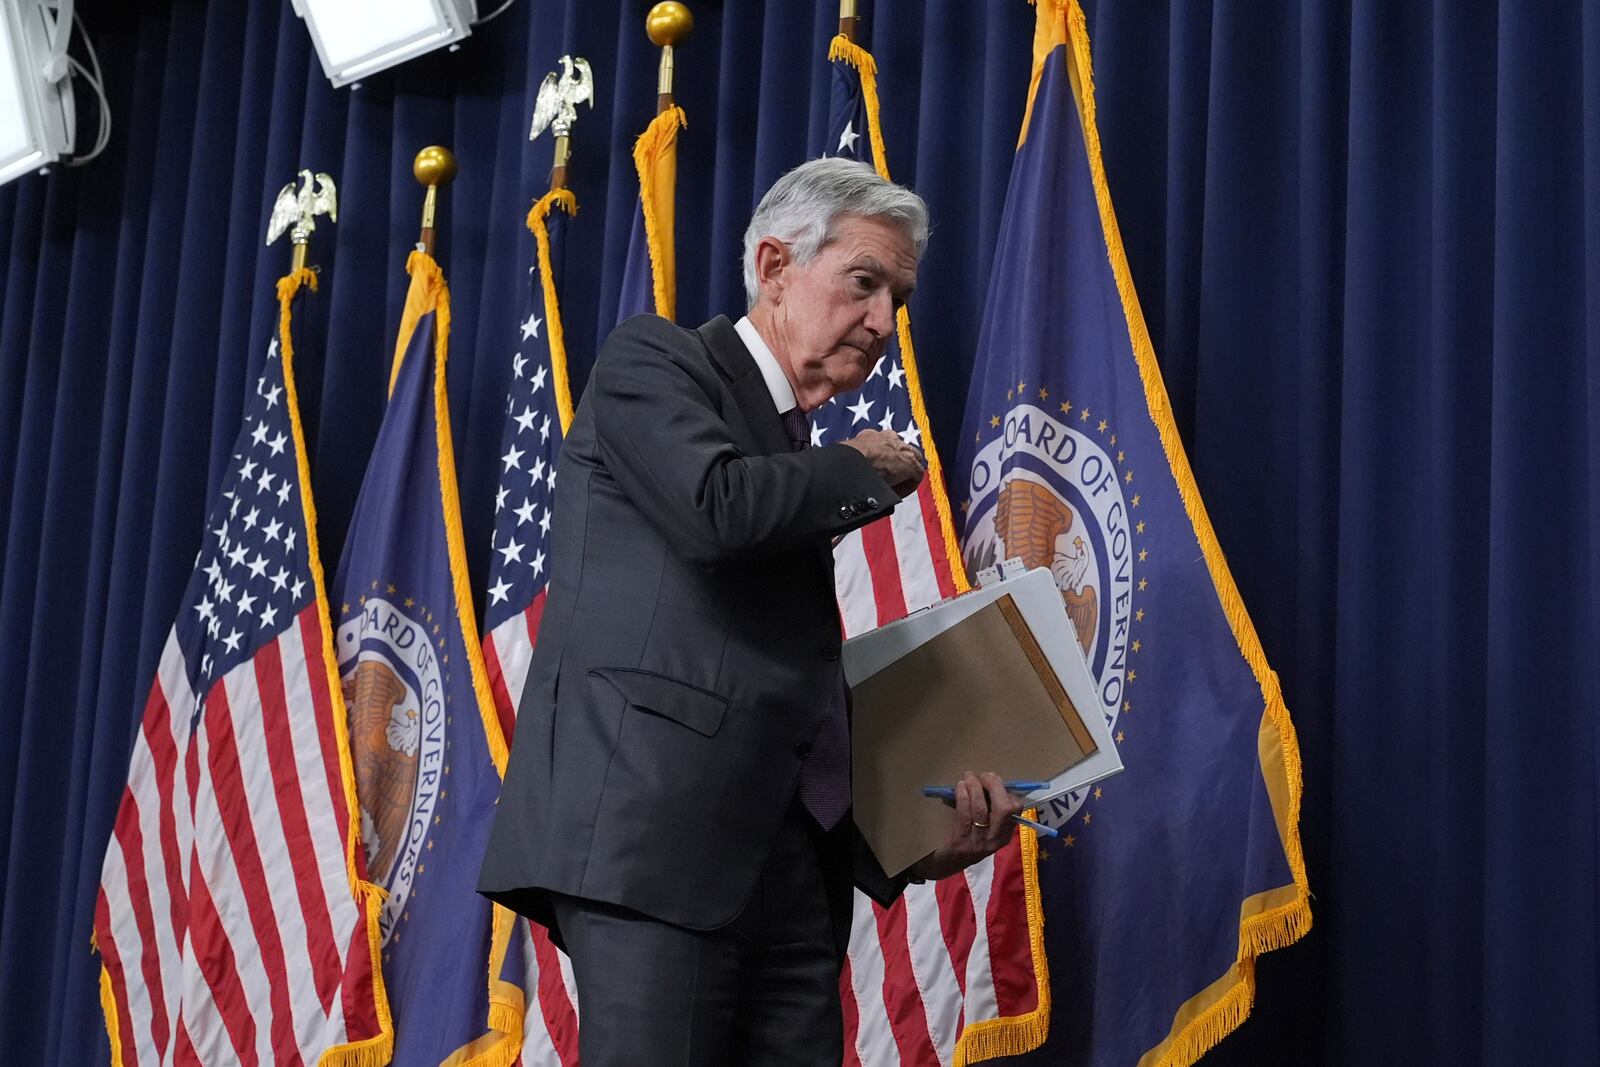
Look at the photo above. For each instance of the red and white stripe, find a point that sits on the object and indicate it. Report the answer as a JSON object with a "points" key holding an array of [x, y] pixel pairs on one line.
{"points": [[550, 1022], [507, 651], [226, 919], [889, 569], [948, 954]]}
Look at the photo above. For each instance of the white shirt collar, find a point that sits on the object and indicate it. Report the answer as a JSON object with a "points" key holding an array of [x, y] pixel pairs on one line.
{"points": [[777, 382]]}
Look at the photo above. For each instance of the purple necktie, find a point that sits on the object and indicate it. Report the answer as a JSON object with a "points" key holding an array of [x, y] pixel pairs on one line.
{"points": [[825, 775], [799, 427]]}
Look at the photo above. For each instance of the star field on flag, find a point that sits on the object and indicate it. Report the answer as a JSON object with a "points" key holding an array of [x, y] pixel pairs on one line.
{"points": [[253, 557], [519, 563]]}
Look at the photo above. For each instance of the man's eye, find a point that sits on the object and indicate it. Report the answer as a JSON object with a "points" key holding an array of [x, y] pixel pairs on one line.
{"points": [[863, 282]]}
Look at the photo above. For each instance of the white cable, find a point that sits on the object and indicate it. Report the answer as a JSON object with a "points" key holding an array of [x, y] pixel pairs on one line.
{"points": [[103, 137], [496, 13], [96, 81]]}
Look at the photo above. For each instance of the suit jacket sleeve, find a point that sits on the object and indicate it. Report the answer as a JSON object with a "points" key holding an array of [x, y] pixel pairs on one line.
{"points": [[674, 454]]}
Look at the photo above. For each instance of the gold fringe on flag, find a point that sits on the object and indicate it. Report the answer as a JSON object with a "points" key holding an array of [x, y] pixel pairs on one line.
{"points": [[540, 211], [502, 1045], [655, 157], [108, 1008], [377, 1050]]}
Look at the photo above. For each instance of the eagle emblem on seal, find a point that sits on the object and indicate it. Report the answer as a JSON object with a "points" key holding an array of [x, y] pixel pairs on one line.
{"points": [[383, 742], [1032, 522]]}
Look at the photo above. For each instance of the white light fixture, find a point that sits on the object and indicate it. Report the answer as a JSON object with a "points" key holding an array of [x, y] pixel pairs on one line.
{"points": [[358, 38], [36, 116]]}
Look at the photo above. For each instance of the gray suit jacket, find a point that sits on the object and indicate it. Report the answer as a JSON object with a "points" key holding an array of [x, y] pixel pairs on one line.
{"points": [[689, 643]]}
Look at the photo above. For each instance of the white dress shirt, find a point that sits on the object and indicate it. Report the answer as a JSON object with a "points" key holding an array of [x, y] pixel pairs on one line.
{"points": [[777, 382]]}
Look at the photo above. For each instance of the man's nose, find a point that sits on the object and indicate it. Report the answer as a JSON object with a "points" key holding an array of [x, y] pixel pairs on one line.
{"points": [[880, 314]]}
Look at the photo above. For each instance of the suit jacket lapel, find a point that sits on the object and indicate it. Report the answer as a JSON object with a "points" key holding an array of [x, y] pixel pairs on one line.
{"points": [[749, 388], [750, 391]]}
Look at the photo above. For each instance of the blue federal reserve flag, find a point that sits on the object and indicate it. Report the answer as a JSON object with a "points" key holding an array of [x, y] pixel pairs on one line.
{"points": [[1170, 878], [424, 737]]}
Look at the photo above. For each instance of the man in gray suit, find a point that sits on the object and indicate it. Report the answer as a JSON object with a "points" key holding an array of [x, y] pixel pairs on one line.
{"points": [[676, 805]]}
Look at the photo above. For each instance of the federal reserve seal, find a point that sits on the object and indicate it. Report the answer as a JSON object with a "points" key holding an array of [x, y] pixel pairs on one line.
{"points": [[1045, 491], [395, 694]]}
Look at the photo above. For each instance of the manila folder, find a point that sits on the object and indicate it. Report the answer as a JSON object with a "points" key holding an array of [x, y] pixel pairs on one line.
{"points": [[977, 696]]}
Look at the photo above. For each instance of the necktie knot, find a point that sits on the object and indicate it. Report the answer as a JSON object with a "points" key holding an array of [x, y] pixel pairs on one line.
{"points": [[799, 427]]}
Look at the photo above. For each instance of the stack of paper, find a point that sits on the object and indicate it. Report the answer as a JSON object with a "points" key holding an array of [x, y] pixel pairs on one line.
{"points": [[993, 680]]}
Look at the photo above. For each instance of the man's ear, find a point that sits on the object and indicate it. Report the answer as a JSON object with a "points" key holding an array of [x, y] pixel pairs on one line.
{"points": [[773, 263]]}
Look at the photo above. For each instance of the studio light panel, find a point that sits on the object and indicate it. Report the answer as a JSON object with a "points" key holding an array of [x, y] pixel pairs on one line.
{"points": [[33, 124], [356, 38]]}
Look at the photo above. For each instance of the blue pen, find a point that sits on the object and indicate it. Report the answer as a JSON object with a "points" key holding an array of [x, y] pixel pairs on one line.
{"points": [[1037, 827], [948, 792]]}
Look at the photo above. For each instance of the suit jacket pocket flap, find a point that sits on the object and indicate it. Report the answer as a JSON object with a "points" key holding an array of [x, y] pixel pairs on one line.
{"points": [[698, 709]]}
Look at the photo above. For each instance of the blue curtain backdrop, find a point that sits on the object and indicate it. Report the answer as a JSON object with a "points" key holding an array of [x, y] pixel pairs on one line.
{"points": [[1367, 241]]}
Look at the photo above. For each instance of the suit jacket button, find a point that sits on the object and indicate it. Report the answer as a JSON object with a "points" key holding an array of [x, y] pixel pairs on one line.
{"points": [[830, 651], [803, 749], [845, 512], [872, 503]]}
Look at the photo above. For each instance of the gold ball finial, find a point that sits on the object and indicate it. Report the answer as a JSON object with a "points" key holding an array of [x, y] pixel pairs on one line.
{"points": [[434, 165], [668, 23]]}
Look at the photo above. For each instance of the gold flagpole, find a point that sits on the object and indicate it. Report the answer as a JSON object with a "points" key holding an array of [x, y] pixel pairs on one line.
{"points": [[848, 19], [433, 167], [558, 165], [667, 25]]}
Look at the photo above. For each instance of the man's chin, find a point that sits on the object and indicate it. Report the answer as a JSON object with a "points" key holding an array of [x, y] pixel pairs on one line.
{"points": [[860, 373], [851, 378]]}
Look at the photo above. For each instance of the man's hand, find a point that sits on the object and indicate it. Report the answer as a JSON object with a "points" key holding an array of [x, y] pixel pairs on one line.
{"points": [[896, 462], [982, 825]]}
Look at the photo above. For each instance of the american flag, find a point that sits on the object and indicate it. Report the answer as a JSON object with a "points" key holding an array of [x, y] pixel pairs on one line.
{"points": [[948, 974], [230, 921], [538, 407], [519, 565]]}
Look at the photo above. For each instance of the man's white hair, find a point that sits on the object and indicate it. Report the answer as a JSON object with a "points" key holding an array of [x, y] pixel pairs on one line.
{"points": [[801, 207]]}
